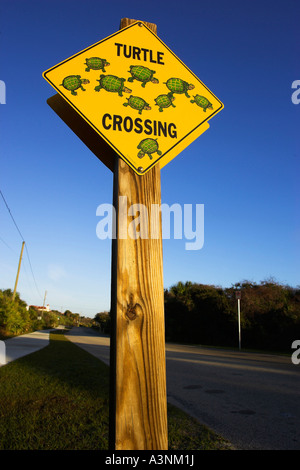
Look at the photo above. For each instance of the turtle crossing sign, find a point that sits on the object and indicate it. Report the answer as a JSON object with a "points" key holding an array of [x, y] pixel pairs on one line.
{"points": [[137, 95]]}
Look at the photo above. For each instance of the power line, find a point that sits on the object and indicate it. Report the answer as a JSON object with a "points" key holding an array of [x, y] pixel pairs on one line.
{"points": [[32, 270], [3, 241], [15, 223], [11, 215]]}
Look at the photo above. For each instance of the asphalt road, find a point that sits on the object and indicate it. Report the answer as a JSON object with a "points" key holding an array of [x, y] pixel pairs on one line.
{"points": [[253, 400]]}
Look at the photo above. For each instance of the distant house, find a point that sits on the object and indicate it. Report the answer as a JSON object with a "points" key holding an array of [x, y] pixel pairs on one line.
{"points": [[41, 309]]}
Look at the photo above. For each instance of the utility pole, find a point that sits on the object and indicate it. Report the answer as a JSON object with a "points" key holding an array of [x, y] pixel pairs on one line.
{"points": [[44, 301], [19, 267]]}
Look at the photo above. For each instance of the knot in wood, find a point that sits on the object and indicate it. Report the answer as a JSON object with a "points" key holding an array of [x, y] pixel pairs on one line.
{"points": [[131, 309]]}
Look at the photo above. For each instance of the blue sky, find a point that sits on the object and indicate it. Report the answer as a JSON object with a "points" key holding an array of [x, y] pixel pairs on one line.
{"points": [[244, 169]]}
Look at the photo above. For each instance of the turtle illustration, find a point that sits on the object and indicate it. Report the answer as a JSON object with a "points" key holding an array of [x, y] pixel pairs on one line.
{"points": [[113, 84], [95, 63], [164, 101], [73, 82], [142, 74], [148, 146], [138, 103], [177, 85], [202, 102]]}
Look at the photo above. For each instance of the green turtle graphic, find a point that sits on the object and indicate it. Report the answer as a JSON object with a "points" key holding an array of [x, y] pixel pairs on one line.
{"points": [[147, 147], [112, 84], [142, 74], [95, 63], [176, 85], [165, 101], [73, 82], [137, 103], [202, 102]]}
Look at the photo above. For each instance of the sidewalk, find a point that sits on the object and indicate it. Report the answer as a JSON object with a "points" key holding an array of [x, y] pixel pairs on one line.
{"points": [[25, 344]]}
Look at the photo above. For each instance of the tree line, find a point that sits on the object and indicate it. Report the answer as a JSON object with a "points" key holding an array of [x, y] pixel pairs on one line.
{"points": [[17, 319], [207, 314], [194, 314]]}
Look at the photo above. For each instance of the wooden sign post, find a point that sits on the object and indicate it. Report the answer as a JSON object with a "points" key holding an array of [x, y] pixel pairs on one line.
{"points": [[138, 408], [90, 87]]}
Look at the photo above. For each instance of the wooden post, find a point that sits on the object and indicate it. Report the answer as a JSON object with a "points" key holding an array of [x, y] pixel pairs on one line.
{"points": [[138, 406]]}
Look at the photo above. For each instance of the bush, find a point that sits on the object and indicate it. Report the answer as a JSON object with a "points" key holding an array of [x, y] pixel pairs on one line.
{"points": [[14, 318]]}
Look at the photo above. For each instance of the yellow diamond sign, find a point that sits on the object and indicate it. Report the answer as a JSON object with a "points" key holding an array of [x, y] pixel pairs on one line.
{"points": [[137, 95]]}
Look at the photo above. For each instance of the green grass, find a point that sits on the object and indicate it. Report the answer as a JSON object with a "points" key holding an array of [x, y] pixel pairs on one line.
{"points": [[57, 399]]}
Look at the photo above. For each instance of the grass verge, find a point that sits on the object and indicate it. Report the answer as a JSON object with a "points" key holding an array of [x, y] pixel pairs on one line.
{"points": [[57, 399]]}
